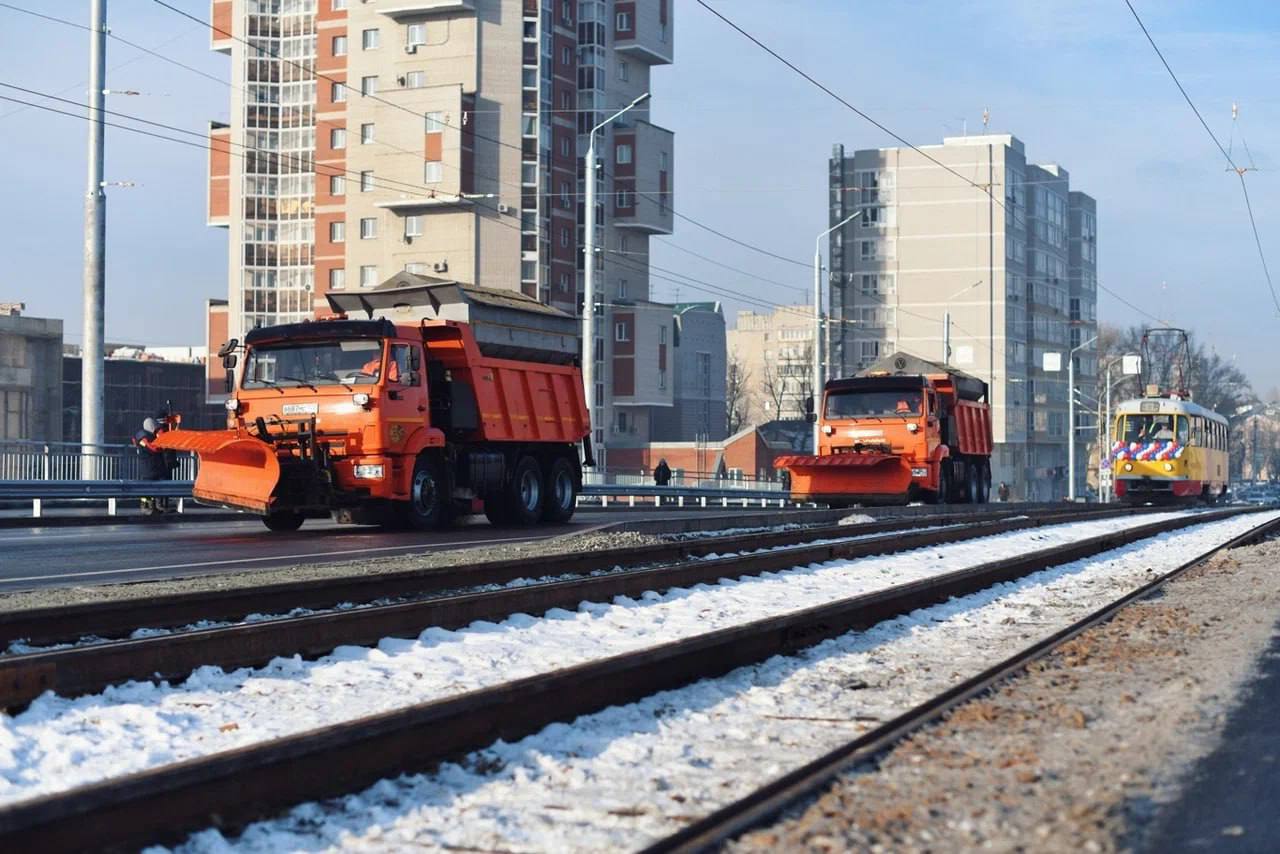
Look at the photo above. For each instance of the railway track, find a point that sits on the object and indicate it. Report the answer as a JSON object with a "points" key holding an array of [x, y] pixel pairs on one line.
{"points": [[230, 789], [118, 618], [92, 667], [795, 788]]}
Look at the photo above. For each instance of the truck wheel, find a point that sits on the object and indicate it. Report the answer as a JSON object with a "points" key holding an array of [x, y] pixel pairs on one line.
{"points": [[283, 520], [525, 492], [427, 507], [972, 484], [561, 492], [943, 495], [984, 484]]}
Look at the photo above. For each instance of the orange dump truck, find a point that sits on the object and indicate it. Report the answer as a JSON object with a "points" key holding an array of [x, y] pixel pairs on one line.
{"points": [[443, 400], [905, 429]]}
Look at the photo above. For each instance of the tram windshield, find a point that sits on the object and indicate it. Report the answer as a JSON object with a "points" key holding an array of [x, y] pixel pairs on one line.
{"points": [[1156, 428]]}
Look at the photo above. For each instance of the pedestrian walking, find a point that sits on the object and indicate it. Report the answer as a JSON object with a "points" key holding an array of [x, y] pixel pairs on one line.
{"points": [[1003, 492], [662, 474]]}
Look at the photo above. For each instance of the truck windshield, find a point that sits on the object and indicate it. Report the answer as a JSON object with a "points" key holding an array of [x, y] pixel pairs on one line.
{"points": [[313, 363], [856, 404]]}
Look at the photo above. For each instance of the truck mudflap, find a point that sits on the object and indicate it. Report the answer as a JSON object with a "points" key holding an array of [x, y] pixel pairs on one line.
{"points": [[841, 479], [236, 470]]}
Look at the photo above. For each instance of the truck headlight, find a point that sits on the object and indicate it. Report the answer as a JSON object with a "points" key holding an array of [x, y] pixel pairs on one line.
{"points": [[232, 405], [360, 399], [919, 472], [913, 427], [369, 472]]}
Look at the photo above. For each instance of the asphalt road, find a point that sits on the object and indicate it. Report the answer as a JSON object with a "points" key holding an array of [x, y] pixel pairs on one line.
{"points": [[65, 556]]}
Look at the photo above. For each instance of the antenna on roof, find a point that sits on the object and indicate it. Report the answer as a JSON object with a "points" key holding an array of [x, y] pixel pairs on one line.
{"points": [[986, 118]]}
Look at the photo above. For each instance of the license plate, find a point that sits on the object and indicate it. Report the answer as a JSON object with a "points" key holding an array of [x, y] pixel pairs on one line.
{"points": [[301, 409]]}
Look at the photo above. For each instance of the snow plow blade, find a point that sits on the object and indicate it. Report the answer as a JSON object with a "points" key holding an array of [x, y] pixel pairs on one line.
{"points": [[845, 479], [236, 471]]}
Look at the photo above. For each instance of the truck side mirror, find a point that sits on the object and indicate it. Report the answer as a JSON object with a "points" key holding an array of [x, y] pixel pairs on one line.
{"points": [[229, 361], [811, 417], [228, 347], [808, 406]]}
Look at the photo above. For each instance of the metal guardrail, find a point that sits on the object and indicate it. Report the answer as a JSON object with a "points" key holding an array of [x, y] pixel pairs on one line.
{"points": [[63, 461], [112, 491]]}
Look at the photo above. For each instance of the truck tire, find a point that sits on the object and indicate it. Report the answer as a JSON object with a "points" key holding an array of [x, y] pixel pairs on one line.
{"points": [[283, 520], [428, 505], [560, 496], [984, 483], [943, 495], [973, 483], [526, 492]]}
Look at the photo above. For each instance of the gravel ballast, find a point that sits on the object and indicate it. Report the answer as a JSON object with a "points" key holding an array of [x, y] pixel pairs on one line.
{"points": [[1080, 752]]}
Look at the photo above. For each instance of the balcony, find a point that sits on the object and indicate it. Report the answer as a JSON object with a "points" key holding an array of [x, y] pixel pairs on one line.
{"points": [[651, 39], [398, 9], [646, 186]]}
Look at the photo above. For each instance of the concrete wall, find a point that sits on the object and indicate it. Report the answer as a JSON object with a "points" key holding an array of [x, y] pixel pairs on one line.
{"points": [[30, 378]]}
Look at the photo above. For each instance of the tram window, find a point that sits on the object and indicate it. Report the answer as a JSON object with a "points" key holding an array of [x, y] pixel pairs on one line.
{"points": [[1184, 430], [1148, 428]]}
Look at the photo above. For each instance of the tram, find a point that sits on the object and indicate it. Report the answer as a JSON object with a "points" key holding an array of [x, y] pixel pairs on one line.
{"points": [[1169, 450]]}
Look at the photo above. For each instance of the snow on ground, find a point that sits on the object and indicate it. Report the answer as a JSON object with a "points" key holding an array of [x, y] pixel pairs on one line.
{"points": [[621, 778], [59, 743]]}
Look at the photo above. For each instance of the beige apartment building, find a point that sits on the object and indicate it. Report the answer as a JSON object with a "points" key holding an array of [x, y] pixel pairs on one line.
{"points": [[443, 137], [1015, 270], [775, 353]]}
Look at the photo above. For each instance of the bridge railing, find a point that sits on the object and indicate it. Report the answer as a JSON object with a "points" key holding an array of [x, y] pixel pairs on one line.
{"points": [[37, 492], [22, 460]]}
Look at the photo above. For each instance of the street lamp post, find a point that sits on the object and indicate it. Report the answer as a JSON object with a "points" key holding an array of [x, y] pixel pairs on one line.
{"points": [[1106, 418], [589, 265], [1071, 417], [817, 315]]}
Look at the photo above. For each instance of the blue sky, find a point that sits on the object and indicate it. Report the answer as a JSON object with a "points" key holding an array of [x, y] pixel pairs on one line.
{"points": [[1074, 79]]}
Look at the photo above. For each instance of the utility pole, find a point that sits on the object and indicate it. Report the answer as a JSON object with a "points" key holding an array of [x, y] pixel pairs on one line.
{"points": [[817, 384], [92, 355], [589, 271], [1071, 417]]}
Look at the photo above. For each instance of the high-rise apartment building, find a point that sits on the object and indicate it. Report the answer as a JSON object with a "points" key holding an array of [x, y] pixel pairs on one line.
{"points": [[774, 353], [443, 137], [1016, 271]]}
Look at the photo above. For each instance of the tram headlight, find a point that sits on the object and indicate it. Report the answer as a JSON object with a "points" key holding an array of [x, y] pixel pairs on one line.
{"points": [[1168, 466], [1128, 466]]}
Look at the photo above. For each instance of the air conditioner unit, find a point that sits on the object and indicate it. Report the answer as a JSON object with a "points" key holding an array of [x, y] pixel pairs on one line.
{"points": [[440, 267], [408, 238], [504, 209], [411, 48], [402, 80]]}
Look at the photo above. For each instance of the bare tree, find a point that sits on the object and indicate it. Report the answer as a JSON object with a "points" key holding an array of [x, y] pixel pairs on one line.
{"points": [[737, 399], [773, 390]]}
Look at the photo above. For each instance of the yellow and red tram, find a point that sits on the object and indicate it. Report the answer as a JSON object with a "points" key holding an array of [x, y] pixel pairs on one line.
{"points": [[1167, 450]]}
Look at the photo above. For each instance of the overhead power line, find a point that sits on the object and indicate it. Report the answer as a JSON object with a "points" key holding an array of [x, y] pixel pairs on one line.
{"points": [[1244, 188]]}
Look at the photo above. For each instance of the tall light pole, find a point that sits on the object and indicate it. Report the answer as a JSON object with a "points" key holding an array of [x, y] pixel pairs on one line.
{"points": [[95, 231], [1071, 417], [1130, 368], [589, 266], [817, 315]]}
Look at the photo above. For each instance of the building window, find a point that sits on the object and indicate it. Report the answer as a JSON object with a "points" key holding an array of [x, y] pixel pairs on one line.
{"points": [[869, 350], [337, 5], [337, 185], [337, 232], [413, 226], [339, 45], [337, 93], [624, 70], [623, 153], [337, 279], [369, 39], [435, 122], [626, 199], [432, 172], [622, 288], [366, 181], [621, 332], [622, 421], [368, 228], [566, 55], [415, 34], [564, 237], [369, 85], [624, 22], [564, 146], [368, 276], [415, 79], [366, 133], [338, 138], [566, 196]]}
